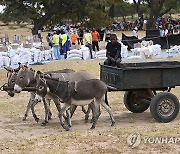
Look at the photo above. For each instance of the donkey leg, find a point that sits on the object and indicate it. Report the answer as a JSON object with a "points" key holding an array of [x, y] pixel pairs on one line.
{"points": [[68, 120], [64, 108], [58, 106], [108, 109], [50, 113], [28, 108], [95, 113], [46, 107], [33, 111], [72, 109], [90, 107]]}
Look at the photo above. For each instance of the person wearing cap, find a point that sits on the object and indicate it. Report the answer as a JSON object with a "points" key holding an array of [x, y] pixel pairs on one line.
{"points": [[56, 45], [88, 41], [113, 52]]}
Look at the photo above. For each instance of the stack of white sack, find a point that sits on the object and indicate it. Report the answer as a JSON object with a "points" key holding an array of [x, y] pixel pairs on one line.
{"points": [[37, 44], [124, 51], [74, 54], [1, 60], [174, 49], [14, 56], [101, 54], [36, 55], [135, 57], [47, 54], [146, 52], [25, 55], [155, 49], [4, 59], [86, 53], [138, 52]]}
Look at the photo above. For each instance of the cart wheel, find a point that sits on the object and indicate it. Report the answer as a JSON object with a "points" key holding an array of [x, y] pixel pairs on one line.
{"points": [[135, 103], [164, 107]]}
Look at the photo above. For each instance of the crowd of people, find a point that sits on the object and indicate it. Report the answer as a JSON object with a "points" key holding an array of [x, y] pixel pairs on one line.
{"points": [[164, 25], [65, 37]]}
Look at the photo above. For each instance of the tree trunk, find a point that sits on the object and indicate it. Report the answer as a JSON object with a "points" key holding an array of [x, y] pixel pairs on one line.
{"points": [[155, 9], [39, 23], [137, 8]]}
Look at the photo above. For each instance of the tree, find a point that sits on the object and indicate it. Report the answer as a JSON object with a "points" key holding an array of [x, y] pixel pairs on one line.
{"points": [[156, 8], [49, 12]]}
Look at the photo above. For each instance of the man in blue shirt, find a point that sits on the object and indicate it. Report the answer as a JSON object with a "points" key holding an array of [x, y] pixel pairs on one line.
{"points": [[113, 51]]}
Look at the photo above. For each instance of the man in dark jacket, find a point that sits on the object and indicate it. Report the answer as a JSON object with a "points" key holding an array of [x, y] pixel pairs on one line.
{"points": [[113, 51]]}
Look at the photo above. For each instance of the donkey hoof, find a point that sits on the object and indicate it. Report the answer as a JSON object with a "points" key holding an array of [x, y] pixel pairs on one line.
{"points": [[44, 123], [86, 120], [37, 120], [24, 119], [92, 127], [113, 123], [49, 118], [65, 127]]}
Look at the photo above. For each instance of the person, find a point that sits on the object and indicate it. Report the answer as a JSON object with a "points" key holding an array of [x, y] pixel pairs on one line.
{"points": [[56, 45], [88, 41], [74, 38], [135, 31], [39, 35], [65, 44], [113, 51], [81, 34], [107, 34], [95, 40], [49, 39]]}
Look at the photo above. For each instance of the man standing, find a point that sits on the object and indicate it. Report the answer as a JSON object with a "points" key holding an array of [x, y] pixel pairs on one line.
{"points": [[113, 51], [74, 38], [56, 47], [88, 41], [95, 39]]}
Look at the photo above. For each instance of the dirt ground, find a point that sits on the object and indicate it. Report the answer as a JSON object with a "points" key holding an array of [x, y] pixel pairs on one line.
{"points": [[29, 137]]}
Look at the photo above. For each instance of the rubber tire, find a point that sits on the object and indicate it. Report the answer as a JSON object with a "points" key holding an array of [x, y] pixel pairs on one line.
{"points": [[155, 103], [131, 106]]}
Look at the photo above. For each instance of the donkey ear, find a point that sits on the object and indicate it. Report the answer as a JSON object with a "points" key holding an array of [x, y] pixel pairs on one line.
{"points": [[39, 72], [17, 69], [26, 64], [9, 69]]}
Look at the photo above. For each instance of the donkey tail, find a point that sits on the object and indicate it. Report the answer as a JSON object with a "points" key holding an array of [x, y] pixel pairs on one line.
{"points": [[106, 99]]}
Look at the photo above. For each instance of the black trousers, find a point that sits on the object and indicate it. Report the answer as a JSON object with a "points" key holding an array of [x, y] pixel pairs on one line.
{"points": [[95, 44], [112, 63]]}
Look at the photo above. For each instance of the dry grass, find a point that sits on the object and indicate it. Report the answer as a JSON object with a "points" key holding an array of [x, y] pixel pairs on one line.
{"points": [[30, 137], [19, 136]]}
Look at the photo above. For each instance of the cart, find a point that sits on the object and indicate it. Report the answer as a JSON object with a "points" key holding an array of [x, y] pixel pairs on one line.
{"points": [[146, 84]]}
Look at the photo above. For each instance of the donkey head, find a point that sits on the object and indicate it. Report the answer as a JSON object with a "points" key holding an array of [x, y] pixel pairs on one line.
{"points": [[11, 75], [24, 77], [41, 87]]}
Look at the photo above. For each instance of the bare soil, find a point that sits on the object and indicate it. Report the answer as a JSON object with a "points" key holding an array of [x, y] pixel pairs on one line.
{"points": [[17, 136]]}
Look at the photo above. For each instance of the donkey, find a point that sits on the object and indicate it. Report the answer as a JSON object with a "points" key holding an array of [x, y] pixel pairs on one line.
{"points": [[12, 76], [75, 93], [26, 76]]}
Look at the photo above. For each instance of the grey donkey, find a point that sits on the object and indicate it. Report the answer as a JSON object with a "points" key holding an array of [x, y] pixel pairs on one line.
{"points": [[75, 93]]}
